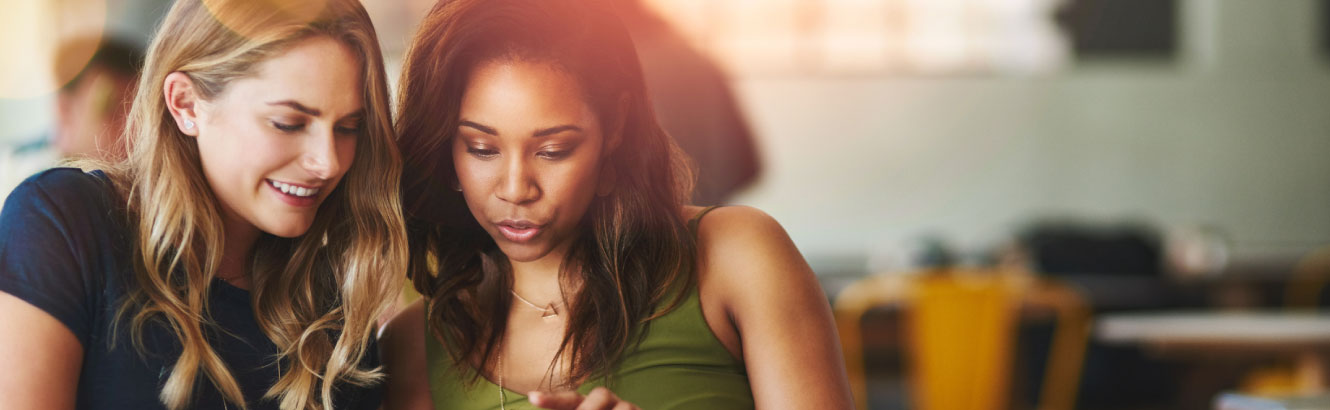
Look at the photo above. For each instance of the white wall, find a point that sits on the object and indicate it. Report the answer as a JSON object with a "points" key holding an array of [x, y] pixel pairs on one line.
{"points": [[1236, 134]]}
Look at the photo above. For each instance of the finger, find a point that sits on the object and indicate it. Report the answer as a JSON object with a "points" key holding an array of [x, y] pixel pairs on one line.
{"points": [[623, 405], [599, 398], [563, 400]]}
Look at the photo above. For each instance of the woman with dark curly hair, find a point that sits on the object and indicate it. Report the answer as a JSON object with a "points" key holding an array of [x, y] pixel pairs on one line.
{"points": [[550, 238]]}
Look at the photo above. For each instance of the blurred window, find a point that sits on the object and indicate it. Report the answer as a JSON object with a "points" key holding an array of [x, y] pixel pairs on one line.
{"points": [[1325, 27], [922, 36], [874, 36], [1137, 29]]}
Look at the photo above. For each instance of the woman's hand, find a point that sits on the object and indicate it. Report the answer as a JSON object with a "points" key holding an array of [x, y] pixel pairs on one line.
{"points": [[600, 398]]}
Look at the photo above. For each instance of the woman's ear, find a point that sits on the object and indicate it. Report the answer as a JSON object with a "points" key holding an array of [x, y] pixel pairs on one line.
{"points": [[182, 101], [614, 135]]}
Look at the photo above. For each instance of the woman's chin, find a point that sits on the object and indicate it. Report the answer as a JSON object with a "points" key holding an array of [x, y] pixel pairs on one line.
{"points": [[287, 230], [523, 252]]}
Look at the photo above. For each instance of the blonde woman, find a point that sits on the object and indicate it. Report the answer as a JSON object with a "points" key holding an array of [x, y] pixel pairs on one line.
{"points": [[238, 258]]}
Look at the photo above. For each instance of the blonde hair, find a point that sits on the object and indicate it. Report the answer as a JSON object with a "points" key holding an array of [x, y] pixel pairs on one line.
{"points": [[316, 296]]}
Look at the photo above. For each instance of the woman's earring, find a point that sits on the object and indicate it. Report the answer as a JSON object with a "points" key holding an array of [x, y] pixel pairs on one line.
{"points": [[457, 185], [189, 125]]}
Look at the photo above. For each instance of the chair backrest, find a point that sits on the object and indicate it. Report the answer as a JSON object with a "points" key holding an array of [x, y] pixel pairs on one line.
{"points": [[961, 335], [1308, 282], [960, 329]]}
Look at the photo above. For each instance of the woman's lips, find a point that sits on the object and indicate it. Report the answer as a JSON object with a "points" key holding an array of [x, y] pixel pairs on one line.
{"points": [[294, 195], [519, 231]]}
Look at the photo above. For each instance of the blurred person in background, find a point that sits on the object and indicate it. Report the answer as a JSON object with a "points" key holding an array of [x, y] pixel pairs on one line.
{"points": [[90, 110]]}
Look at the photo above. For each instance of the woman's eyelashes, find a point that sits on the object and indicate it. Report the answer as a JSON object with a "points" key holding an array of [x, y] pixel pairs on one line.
{"points": [[482, 152], [351, 126], [293, 127], [287, 127], [554, 154], [349, 130]]}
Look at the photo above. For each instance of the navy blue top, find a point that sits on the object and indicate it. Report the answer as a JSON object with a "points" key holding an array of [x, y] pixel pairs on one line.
{"points": [[65, 248]]}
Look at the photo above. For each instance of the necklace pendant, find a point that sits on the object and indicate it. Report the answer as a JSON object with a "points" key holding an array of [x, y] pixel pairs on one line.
{"points": [[550, 313]]}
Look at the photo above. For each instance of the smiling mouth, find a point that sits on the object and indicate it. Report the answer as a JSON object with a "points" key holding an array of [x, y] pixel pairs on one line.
{"points": [[518, 231], [294, 190]]}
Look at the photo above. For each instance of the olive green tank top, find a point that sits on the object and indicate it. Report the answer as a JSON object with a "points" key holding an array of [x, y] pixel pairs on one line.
{"points": [[679, 364]]}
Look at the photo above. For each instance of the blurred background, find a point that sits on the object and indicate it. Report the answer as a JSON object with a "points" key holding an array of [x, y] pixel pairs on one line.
{"points": [[1138, 188]]}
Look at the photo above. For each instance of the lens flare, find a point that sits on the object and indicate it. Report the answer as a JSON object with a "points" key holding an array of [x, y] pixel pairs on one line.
{"points": [[238, 15], [44, 44]]}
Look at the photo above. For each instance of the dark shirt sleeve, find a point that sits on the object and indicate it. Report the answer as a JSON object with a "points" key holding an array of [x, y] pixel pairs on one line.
{"points": [[47, 231]]}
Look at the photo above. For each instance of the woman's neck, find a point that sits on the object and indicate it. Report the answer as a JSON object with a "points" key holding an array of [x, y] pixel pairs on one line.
{"points": [[239, 243], [540, 280]]}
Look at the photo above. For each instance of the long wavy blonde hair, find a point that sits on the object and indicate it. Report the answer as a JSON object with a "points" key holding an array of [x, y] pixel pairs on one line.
{"points": [[316, 296]]}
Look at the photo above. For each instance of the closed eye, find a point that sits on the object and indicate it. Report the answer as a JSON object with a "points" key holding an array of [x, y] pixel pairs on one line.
{"points": [[483, 153], [349, 131], [351, 125], [555, 155], [287, 127]]}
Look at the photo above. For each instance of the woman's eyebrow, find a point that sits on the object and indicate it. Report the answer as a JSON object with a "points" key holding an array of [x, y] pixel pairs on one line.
{"points": [[298, 107], [479, 127], [539, 133], [556, 130]]}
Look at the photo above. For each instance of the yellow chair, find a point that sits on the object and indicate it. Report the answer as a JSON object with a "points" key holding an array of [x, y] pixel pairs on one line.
{"points": [[960, 332], [1303, 292], [1309, 278]]}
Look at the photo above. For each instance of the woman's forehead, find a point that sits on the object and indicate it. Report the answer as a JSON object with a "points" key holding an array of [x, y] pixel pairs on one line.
{"points": [[525, 98], [319, 73]]}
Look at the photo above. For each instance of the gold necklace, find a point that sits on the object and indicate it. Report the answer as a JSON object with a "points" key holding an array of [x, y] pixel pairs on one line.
{"points": [[503, 398], [548, 313]]}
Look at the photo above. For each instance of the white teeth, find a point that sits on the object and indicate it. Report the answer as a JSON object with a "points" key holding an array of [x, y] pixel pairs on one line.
{"points": [[293, 190]]}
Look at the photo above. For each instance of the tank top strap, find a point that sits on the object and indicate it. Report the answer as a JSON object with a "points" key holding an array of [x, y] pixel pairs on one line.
{"points": [[697, 219]]}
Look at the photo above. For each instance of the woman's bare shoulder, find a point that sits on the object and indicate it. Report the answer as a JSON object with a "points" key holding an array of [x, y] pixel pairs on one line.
{"points": [[402, 344], [740, 231]]}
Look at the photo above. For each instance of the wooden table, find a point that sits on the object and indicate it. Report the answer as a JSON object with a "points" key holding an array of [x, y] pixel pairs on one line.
{"points": [[1235, 401], [1303, 336]]}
